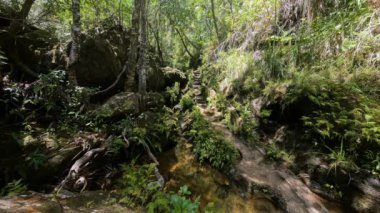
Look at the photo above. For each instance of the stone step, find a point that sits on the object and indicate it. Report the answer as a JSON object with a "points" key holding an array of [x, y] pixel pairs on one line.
{"points": [[197, 92], [197, 99]]}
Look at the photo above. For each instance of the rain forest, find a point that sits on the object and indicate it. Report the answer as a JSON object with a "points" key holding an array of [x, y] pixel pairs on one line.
{"points": [[190, 106]]}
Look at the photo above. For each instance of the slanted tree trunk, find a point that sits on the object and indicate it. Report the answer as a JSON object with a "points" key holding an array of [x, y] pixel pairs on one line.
{"points": [[143, 61], [17, 22], [75, 45], [16, 28], [215, 21], [156, 35], [132, 58]]}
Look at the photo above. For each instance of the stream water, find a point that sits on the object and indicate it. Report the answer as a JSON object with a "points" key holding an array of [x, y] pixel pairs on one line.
{"points": [[180, 167]]}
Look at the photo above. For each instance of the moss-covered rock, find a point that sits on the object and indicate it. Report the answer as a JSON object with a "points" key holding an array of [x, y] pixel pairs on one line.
{"points": [[119, 105]]}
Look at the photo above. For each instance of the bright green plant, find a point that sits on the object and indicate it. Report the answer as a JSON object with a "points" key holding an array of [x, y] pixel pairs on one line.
{"points": [[209, 145], [187, 102], [274, 153], [173, 92], [179, 202]]}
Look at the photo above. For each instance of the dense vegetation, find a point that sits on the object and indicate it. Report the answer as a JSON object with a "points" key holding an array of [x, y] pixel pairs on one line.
{"points": [[92, 93]]}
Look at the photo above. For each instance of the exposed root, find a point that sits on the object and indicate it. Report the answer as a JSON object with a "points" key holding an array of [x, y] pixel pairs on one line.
{"points": [[114, 84], [160, 178], [73, 175]]}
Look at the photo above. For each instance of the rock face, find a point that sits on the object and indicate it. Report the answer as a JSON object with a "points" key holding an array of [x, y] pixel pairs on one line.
{"points": [[364, 196]]}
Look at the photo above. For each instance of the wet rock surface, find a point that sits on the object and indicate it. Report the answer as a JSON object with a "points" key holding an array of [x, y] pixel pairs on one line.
{"points": [[96, 201], [254, 173]]}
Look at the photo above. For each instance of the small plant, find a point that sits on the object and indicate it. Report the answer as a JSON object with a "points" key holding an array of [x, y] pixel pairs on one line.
{"points": [[165, 126], [187, 102], [274, 153], [138, 184], [179, 202], [173, 92], [13, 188], [339, 159], [37, 159]]}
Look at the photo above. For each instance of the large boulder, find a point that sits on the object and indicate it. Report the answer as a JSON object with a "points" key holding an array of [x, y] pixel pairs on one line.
{"points": [[98, 64], [103, 52], [173, 75]]}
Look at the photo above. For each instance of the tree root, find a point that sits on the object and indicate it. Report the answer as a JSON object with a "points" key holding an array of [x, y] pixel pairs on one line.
{"points": [[113, 85], [160, 178], [72, 177]]}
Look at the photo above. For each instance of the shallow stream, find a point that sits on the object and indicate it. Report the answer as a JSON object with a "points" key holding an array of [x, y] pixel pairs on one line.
{"points": [[180, 167]]}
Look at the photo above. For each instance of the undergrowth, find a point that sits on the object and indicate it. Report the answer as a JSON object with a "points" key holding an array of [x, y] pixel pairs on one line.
{"points": [[209, 145]]}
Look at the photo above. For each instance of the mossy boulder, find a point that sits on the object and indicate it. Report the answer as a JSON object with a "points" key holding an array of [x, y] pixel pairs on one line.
{"points": [[119, 105]]}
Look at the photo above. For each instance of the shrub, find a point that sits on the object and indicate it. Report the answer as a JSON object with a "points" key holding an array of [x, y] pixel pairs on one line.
{"points": [[187, 102], [336, 115], [138, 184], [174, 202], [209, 145], [173, 92]]}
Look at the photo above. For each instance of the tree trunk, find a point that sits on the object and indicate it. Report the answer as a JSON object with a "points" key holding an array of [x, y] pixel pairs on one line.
{"points": [[156, 35], [75, 45], [215, 21], [183, 42], [132, 59], [143, 61]]}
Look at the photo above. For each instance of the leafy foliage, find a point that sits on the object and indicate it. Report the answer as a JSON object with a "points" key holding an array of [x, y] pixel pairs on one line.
{"points": [[173, 92], [209, 145], [186, 102], [138, 184], [13, 188], [37, 159], [174, 202]]}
